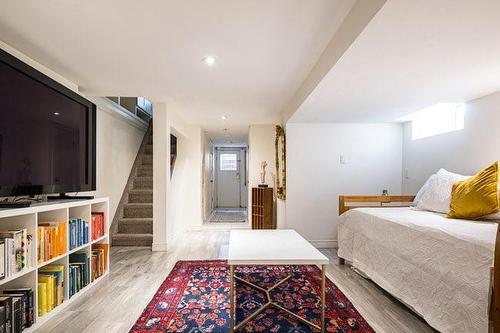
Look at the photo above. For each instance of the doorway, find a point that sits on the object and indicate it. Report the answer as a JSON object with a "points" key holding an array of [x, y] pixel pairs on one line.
{"points": [[231, 186]]}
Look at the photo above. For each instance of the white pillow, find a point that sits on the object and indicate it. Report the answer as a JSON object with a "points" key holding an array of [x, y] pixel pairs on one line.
{"points": [[422, 190], [436, 196]]}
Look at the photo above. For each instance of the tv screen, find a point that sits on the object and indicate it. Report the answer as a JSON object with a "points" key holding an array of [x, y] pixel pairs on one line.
{"points": [[47, 134]]}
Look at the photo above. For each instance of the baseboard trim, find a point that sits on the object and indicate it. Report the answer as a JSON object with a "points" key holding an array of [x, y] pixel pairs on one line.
{"points": [[324, 244], [159, 247]]}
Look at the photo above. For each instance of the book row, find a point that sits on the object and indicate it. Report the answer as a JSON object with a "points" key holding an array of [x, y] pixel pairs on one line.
{"points": [[98, 225], [50, 288], [78, 233], [16, 252], [79, 276], [80, 273], [52, 240], [99, 258], [17, 310]]}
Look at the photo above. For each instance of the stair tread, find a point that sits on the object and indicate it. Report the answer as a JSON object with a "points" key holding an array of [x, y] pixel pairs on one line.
{"points": [[120, 235], [141, 190], [136, 219]]}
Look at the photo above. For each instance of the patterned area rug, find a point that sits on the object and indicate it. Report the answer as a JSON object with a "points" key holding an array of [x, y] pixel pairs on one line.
{"points": [[195, 298], [228, 215]]}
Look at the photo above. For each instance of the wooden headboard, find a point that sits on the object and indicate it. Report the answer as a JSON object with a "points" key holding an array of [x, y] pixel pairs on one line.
{"points": [[347, 202]]}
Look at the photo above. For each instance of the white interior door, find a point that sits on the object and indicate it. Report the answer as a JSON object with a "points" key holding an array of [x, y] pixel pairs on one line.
{"points": [[228, 178]]}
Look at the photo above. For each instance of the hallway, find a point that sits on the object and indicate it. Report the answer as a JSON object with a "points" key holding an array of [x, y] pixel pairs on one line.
{"points": [[228, 215]]}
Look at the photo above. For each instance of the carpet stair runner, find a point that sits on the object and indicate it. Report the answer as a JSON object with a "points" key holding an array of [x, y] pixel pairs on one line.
{"points": [[135, 228]]}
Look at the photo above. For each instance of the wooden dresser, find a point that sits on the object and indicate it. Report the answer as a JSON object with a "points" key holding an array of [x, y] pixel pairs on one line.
{"points": [[262, 208]]}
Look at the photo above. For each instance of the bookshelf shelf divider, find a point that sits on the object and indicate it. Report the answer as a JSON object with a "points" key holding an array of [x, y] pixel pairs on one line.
{"points": [[30, 218]]}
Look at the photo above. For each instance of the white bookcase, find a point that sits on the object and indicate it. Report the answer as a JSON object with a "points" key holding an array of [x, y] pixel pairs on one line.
{"points": [[48, 212]]}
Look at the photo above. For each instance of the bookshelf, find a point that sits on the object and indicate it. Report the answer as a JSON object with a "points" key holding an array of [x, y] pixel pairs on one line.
{"points": [[30, 218]]}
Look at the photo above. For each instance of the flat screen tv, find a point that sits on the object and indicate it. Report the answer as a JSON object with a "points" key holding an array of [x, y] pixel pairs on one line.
{"points": [[47, 134]]}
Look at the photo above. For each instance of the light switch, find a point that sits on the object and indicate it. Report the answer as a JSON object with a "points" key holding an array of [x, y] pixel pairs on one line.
{"points": [[343, 159]]}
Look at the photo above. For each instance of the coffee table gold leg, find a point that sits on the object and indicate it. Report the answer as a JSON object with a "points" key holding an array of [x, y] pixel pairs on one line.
{"points": [[323, 286], [231, 297]]}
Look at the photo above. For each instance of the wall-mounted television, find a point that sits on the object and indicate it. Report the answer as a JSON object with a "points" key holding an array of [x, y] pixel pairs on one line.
{"points": [[47, 134]]}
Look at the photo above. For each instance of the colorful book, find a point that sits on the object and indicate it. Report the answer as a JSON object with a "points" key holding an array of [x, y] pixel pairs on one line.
{"points": [[42, 299], [15, 314], [49, 298], [6, 303], [19, 250], [21, 310], [52, 240], [57, 288], [98, 225], [2, 319], [28, 307], [99, 260]]}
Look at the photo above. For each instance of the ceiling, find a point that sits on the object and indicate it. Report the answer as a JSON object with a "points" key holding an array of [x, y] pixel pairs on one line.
{"points": [[411, 55], [263, 51]]}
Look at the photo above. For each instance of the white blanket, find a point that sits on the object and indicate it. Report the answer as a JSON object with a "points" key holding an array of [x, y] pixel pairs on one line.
{"points": [[437, 266]]}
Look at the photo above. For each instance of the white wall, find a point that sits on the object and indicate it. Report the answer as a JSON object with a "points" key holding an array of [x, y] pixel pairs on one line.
{"points": [[315, 177], [466, 151], [208, 178], [184, 196], [260, 148], [39, 67], [118, 141], [161, 175], [177, 199]]}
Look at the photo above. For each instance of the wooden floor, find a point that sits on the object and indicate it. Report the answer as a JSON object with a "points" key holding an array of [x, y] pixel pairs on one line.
{"points": [[136, 273]]}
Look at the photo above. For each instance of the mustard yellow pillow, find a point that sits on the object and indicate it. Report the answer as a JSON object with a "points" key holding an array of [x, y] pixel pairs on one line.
{"points": [[476, 196]]}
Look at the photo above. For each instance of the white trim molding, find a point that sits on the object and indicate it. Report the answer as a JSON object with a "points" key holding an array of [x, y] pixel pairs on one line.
{"points": [[159, 247], [111, 107], [324, 244]]}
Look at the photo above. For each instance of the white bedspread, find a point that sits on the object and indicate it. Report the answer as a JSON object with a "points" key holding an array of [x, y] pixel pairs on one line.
{"points": [[437, 266]]}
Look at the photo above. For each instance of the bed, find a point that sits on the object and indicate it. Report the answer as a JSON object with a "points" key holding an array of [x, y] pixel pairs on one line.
{"points": [[440, 268]]}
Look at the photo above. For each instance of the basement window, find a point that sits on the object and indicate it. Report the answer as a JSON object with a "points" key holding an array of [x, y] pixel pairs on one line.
{"points": [[228, 162], [437, 119]]}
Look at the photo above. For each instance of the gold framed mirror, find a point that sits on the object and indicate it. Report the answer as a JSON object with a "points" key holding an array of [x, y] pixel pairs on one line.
{"points": [[280, 149]]}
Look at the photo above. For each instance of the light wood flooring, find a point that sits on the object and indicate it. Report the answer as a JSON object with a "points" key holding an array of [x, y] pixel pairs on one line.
{"points": [[136, 273]]}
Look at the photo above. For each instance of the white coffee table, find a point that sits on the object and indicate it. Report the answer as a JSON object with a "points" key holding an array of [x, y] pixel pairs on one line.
{"points": [[272, 247]]}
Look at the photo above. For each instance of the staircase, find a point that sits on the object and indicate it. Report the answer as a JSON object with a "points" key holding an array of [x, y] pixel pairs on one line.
{"points": [[133, 223]]}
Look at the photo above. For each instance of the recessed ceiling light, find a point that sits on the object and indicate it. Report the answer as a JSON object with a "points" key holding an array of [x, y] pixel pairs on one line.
{"points": [[56, 113], [223, 117], [209, 60]]}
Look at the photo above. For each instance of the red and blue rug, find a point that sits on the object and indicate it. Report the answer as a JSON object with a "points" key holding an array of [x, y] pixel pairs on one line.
{"points": [[194, 298]]}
